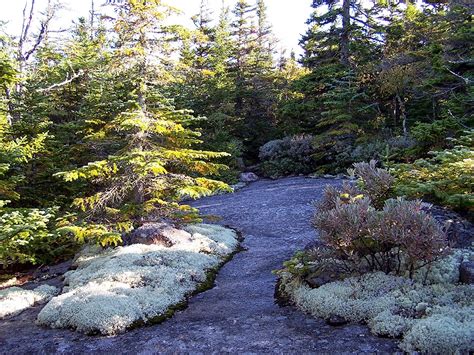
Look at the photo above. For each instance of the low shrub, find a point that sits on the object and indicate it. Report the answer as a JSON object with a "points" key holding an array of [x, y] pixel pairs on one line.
{"points": [[447, 178], [333, 196], [377, 183], [384, 262], [416, 237], [371, 232], [434, 134], [346, 228], [368, 151], [398, 238], [42, 236], [286, 156], [31, 236], [397, 148]]}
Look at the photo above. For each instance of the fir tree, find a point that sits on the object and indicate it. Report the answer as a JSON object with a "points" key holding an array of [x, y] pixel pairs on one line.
{"points": [[150, 164]]}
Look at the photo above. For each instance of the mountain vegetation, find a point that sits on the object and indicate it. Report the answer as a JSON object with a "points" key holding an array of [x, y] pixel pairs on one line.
{"points": [[123, 117]]}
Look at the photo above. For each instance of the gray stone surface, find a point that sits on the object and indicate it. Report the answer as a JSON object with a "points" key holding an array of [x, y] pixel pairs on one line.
{"points": [[248, 177], [157, 233], [239, 314]]}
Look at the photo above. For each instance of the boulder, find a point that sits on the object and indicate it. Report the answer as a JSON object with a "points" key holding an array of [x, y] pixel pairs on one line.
{"points": [[466, 272], [248, 177], [157, 233], [460, 231]]}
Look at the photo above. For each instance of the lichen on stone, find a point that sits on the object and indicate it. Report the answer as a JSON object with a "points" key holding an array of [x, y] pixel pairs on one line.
{"points": [[444, 270], [388, 324], [14, 300], [433, 318], [119, 288], [224, 240], [445, 330], [355, 299]]}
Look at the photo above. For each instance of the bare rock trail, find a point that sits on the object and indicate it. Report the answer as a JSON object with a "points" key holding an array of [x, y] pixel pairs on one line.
{"points": [[239, 314]]}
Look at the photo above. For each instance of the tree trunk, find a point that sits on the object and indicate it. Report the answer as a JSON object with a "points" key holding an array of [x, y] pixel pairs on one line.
{"points": [[403, 115], [346, 23]]}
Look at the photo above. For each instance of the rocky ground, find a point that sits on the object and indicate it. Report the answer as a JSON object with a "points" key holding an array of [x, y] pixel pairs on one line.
{"points": [[239, 314]]}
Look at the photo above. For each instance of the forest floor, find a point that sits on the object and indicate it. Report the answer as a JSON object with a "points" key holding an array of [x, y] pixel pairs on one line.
{"points": [[239, 314]]}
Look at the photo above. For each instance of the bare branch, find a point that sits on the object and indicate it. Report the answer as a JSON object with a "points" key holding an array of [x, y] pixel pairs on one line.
{"points": [[466, 80], [44, 27], [65, 82], [25, 28]]}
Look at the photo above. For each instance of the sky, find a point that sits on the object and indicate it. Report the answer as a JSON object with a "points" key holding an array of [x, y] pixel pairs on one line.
{"points": [[287, 17]]}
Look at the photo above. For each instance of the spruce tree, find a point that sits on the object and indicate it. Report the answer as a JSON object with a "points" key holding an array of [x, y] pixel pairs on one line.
{"points": [[253, 69], [150, 164], [244, 32], [337, 44]]}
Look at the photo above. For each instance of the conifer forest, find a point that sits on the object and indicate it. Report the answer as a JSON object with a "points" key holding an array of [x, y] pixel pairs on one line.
{"points": [[145, 150]]}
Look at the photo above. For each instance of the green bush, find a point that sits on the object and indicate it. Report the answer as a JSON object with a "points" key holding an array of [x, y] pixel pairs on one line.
{"points": [[447, 178], [41, 236], [30, 236], [434, 134], [287, 156]]}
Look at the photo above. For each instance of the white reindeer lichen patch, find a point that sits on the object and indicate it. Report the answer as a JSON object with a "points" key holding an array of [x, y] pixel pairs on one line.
{"points": [[435, 318], [129, 285], [14, 300]]}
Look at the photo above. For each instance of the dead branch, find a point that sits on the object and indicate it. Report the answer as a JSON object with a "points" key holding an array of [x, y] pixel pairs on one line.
{"points": [[65, 82], [466, 80]]}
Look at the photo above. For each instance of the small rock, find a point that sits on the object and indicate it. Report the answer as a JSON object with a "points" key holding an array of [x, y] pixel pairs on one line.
{"points": [[329, 176], [466, 272], [248, 177], [157, 233], [318, 281], [336, 320], [421, 307], [238, 186]]}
